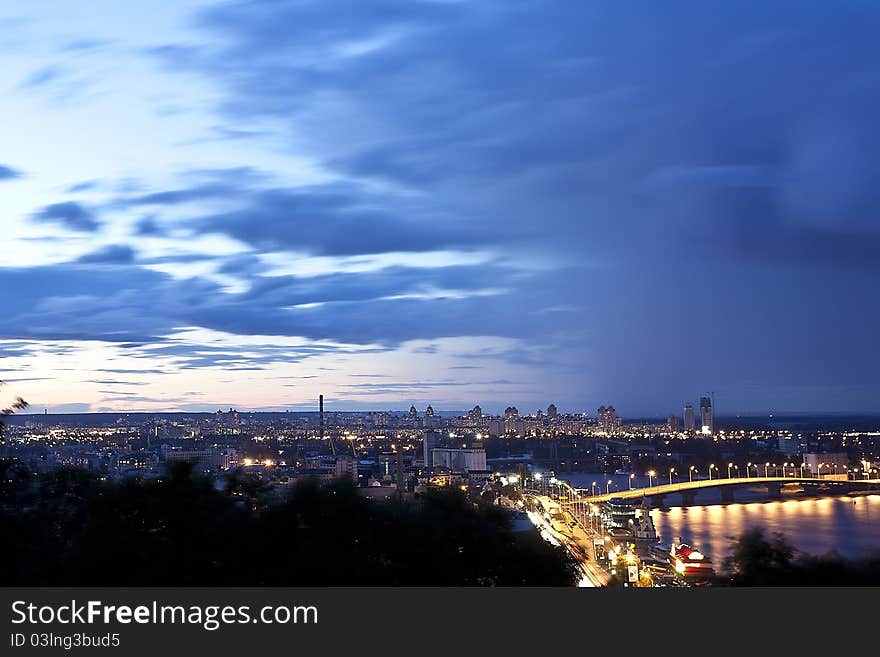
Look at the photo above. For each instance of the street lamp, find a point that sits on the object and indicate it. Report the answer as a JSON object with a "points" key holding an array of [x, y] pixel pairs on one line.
{"points": [[608, 487], [651, 474], [766, 467], [671, 472], [594, 489], [711, 467], [631, 477], [729, 468], [691, 474], [748, 469]]}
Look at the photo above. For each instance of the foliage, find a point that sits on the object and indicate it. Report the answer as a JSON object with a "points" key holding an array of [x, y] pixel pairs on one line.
{"points": [[756, 560], [72, 527], [18, 405]]}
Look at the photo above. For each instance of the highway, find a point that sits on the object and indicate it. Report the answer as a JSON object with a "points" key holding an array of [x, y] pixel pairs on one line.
{"points": [[574, 539]]}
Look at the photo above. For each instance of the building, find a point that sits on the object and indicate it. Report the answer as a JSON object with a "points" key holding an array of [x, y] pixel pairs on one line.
{"points": [[608, 420], [212, 458], [552, 412], [788, 445], [346, 466], [428, 444], [460, 460], [690, 422], [512, 424], [673, 424], [707, 427], [431, 419], [827, 464]]}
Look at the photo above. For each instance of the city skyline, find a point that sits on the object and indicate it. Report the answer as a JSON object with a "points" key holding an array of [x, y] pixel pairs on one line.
{"points": [[214, 203]]}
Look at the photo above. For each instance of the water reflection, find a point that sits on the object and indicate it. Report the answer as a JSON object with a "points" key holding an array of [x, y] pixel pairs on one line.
{"points": [[848, 525]]}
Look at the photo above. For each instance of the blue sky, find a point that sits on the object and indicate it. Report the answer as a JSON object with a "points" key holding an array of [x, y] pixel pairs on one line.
{"points": [[440, 201]]}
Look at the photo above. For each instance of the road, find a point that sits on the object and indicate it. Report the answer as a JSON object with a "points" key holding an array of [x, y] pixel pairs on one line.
{"points": [[574, 539]]}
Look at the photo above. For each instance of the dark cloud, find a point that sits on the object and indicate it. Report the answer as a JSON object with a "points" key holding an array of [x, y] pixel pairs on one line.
{"points": [[70, 214], [331, 219], [694, 185], [149, 227], [537, 117], [114, 254], [8, 173]]}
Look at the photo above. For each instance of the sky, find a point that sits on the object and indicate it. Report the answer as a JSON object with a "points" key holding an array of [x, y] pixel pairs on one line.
{"points": [[247, 203]]}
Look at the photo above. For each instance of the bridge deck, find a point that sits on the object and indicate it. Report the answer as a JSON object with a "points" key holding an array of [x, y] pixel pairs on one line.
{"points": [[684, 486]]}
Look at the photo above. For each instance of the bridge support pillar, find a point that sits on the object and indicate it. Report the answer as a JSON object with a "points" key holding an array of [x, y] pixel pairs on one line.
{"points": [[727, 493], [688, 497], [657, 501], [774, 491]]}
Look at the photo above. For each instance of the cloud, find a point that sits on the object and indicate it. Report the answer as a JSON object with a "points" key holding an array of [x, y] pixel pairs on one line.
{"points": [[114, 254], [674, 198], [8, 173], [44, 76], [70, 214], [84, 186], [541, 120]]}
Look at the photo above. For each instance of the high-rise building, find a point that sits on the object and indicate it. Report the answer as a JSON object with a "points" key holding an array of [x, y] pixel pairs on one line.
{"points": [[607, 419], [673, 424], [551, 411], [431, 420], [428, 445], [347, 466], [706, 425], [690, 422]]}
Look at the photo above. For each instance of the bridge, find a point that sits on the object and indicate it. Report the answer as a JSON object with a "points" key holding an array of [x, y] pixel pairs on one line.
{"points": [[773, 486]]}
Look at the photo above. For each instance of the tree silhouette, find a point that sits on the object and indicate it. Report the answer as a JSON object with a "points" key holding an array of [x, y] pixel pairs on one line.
{"points": [[74, 527], [18, 405]]}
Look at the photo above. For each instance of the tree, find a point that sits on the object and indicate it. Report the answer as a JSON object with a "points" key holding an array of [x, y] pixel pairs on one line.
{"points": [[756, 560], [18, 405]]}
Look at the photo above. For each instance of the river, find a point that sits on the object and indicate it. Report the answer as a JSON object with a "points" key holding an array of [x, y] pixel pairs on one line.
{"points": [[847, 525]]}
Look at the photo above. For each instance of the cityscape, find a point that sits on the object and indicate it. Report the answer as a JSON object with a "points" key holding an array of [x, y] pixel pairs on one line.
{"points": [[590, 484], [440, 293]]}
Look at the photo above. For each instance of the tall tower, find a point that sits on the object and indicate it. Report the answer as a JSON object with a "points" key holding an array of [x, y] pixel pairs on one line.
{"points": [[690, 422], [706, 424], [321, 415], [428, 444]]}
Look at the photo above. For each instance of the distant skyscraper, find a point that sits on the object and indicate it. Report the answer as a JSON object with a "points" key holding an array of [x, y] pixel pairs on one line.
{"points": [[429, 412], [707, 428], [551, 411], [413, 413], [607, 418], [690, 422], [673, 424], [428, 445]]}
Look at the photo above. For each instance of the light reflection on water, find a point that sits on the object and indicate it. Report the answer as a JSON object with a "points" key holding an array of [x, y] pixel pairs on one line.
{"points": [[813, 525]]}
